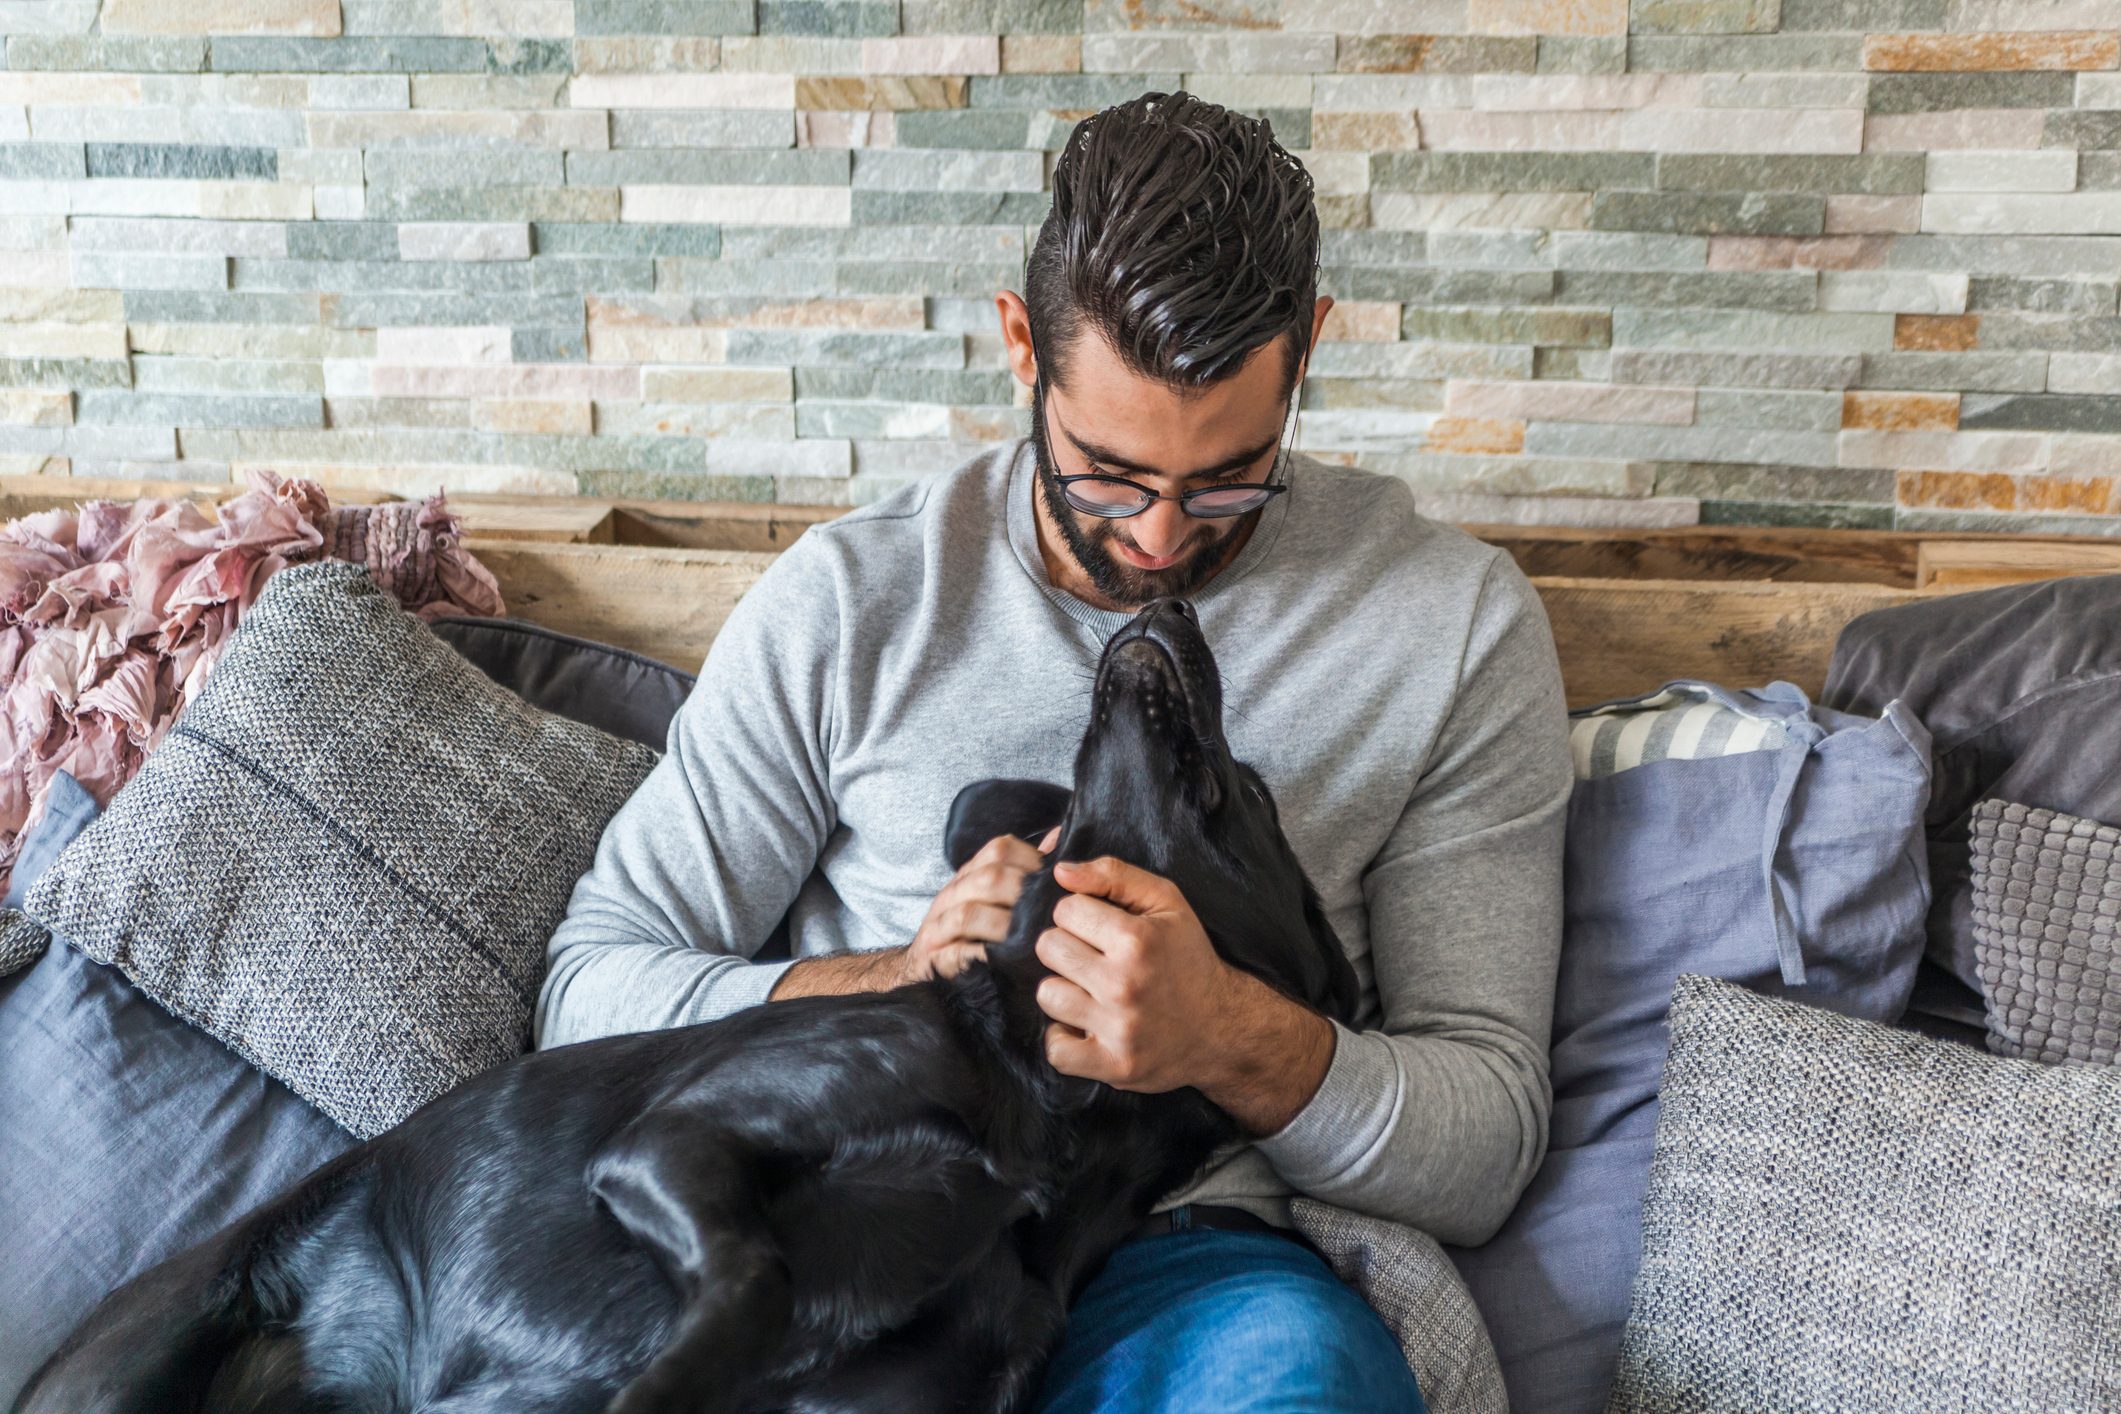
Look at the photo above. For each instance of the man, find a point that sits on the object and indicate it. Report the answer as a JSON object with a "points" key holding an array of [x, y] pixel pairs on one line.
{"points": [[1393, 679]]}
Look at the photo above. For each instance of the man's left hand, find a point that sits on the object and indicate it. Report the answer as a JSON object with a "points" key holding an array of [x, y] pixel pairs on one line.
{"points": [[1142, 1001]]}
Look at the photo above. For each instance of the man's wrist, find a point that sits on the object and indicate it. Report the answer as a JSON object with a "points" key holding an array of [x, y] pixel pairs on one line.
{"points": [[875, 971], [1268, 1057]]}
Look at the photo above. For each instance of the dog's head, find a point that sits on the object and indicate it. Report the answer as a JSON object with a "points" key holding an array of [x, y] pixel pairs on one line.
{"points": [[1156, 785]]}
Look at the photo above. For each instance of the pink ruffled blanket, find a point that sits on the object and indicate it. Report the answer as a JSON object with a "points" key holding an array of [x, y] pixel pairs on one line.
{"points": [[112, 613]]}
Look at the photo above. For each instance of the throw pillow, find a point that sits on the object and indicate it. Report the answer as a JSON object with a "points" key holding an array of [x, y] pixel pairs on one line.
{"points": [[1747, 834], [1843, 1215], [2021, 688], [2047, 932], [125, 1137], [1403, 1274], [348, 854]]}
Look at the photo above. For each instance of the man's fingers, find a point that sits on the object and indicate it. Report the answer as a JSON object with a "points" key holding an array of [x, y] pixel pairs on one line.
{"points": [[1045, 846], [1005, 850], [956, 957], [1130, 886], [1062, 1000], [1071, 1052], [973, 918]]}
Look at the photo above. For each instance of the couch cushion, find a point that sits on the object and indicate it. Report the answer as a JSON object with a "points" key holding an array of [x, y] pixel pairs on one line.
{"points": [[125, 1136], [1848, 1216], [597, 684], [1746, 834], [2047, 932], [347, 856], [2021, 688]]}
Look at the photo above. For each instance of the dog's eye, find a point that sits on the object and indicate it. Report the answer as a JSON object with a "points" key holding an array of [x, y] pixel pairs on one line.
{"points": [[1255, 792]]}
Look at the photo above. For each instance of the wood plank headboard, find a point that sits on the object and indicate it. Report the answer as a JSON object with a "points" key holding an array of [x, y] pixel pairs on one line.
{"points": [[1630, 609]]}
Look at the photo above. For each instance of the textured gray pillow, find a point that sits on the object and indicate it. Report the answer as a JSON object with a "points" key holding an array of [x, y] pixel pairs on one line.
{"points": [[348, 854], [1847, 1216], [1405, 1276], [2047, 931]]}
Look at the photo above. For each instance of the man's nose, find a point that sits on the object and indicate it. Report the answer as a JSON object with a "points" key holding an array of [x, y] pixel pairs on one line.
{"points": [[1160, 529]]}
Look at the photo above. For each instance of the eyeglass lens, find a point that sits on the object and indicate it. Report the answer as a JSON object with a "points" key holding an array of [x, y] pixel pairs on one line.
{"points": [[1117, 498]]}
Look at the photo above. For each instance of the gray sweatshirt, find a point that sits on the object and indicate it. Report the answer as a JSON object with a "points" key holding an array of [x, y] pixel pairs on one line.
{"points": [[1392, 678]]}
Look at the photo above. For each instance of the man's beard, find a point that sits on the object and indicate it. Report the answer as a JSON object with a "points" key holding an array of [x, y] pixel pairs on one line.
{"points": [[1117, 580]]}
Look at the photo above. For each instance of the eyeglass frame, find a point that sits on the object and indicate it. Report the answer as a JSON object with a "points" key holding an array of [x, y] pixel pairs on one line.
{"points": [[1272, 487]]}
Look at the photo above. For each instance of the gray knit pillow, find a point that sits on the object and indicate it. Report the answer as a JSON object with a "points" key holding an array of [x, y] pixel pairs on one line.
{"points": [[1846, 1216], [2047, 932], [348, 854], [1407, 1279]]}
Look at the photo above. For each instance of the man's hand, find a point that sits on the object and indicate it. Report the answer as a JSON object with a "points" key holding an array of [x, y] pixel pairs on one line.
{"points": [[969, 912], [1142, 1001]]}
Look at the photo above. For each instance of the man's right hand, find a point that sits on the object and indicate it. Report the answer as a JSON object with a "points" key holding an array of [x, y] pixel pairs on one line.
{"points": [[969, 912]]}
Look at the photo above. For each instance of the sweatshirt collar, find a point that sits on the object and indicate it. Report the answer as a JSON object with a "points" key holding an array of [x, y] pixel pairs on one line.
{"points": [[1023, 536]]}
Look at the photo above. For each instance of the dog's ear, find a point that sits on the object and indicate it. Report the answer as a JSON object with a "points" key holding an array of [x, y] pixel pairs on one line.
{"points": [[1343, 990], [1001, 806]]}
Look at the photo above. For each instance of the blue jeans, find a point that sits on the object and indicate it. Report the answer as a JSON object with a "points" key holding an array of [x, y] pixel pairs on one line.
{"points": [[1219, 1321]]}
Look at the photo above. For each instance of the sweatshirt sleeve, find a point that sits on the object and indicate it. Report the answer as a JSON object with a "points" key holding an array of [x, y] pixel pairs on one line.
{"points": [[1438, 1117], [696, 868]]}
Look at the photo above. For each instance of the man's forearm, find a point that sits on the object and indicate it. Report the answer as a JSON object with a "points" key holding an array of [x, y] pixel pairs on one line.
{"points": [[877, 971], [1272, 1055]]}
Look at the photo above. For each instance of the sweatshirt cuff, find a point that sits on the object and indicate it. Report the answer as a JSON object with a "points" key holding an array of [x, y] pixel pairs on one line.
{"points": [[739, 987], [1344, 1123]]}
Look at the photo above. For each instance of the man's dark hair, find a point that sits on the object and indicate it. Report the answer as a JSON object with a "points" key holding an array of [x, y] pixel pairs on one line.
{"points": [[1183, 235]]}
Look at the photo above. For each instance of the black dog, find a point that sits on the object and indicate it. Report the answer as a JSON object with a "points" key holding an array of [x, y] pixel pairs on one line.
{"points": [[883, 1201]]}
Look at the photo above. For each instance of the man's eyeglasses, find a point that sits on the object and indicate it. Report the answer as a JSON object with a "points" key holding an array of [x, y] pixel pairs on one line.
{"points": [[1098, 493], [1115, 497]]}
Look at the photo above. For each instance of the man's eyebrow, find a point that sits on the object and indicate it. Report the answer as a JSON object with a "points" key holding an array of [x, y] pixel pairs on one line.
{"points": [[1104, 456]]}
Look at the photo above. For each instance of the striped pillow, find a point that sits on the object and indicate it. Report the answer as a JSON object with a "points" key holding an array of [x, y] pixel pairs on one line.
{"points": [[1681, 721]]}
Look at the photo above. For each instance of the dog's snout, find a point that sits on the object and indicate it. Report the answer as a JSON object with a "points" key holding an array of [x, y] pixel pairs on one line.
{"points": [[1175, 606]]}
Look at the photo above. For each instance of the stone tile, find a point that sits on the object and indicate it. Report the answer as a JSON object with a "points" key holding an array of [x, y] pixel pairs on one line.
{"points": [[897, 93], [933, 54], [736, 205], [1866, 215], [1950, 92], [1944, 333], [1437, 53], [2002, 128], [1739, 481], [1547, 17], [2051, 412], [2057, 49], [1900, 412], [1042, 54], [1943, 451], [2002, 172], [1892, 291], [445, 240], [1709, 213], [1570, 402], [250, 17], [688, 91], [662, 17], [1987, 372], [1704, 16]]}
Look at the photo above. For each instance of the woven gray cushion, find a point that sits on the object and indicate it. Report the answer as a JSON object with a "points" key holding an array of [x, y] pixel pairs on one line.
{"points": [[2047, 932], [22, 940], [1846, 1216], [348, 854], [1407, 1279]]}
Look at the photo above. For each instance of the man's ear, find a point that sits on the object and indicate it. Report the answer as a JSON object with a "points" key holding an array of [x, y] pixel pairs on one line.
{"points": [[1002, 806]]}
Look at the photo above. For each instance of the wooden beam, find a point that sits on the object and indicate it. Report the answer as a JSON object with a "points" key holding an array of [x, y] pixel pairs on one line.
{"points": [[667, 603], [1972, 564], [1617, 638]]}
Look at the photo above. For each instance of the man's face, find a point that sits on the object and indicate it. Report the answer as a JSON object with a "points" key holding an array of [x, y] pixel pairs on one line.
{"points": [[1112, 420]]}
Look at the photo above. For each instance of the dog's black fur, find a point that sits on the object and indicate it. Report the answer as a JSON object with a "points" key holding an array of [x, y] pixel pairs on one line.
{"points": [[883, 1201]]}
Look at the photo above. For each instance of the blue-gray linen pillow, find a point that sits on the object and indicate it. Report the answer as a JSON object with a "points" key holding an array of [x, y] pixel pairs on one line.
{"points": [[1745, 834]]}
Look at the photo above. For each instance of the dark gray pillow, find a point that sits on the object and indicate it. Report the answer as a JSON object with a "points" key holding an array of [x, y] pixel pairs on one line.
{"points": [[599, 684], [348, 854], [2020, 687], [2047, 932], [1843, 1216]]}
